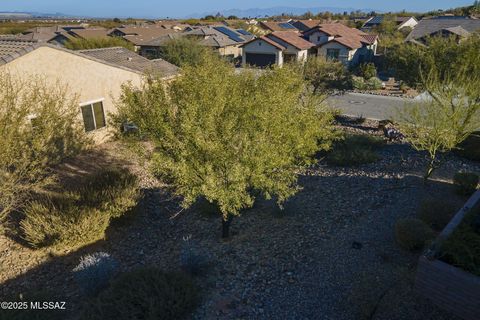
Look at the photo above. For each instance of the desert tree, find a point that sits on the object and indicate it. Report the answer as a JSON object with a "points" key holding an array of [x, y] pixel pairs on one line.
{"points": [[183, 51], [449, 114], [227, 136], [325, 75], [39, 127]]}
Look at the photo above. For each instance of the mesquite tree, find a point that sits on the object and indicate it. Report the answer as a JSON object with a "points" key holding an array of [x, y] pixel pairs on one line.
{"points": [[227, 136], [446, 119]]}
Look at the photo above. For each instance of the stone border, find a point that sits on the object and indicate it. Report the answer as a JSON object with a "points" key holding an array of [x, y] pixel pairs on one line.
{"points": [[448, 287]]}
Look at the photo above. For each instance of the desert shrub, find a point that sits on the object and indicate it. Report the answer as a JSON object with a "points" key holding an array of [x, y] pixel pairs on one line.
{"points": [[462, 247], [33, 314], [112, 190], [184, 51], [62, 226], [355, 150], [94, 272], [412, 234], [374, 83], [367, 71], [437, 213], [465, 182], [95, 43], [192, 259], [359, 83], [145, 294], [80, 217], [325, 75], [39, 128]]}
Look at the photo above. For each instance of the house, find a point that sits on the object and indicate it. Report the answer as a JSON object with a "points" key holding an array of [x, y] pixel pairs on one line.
{"points": [[401, 22], [275, 49], [94, 76], [222, 39], [90, 33], [271, 26], [140, 35], [459, 27], [338, 42], [304, 25]]}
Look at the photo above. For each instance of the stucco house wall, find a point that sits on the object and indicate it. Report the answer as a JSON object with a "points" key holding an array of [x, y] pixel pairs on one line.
{"points": [[236, 51], [319, 38], [349, 56], [90, 80], [410, 23], [260, 46]]}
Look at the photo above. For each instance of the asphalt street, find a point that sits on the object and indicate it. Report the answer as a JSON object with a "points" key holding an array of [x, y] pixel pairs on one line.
{"points": [[367, 105]]}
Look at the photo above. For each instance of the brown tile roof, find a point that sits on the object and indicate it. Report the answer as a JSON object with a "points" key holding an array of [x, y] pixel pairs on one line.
{"points": [[276, 25], [291, 37], [10, 49], [306, 24], [129, 59], [349, 37], [90, 33], [267, 40], [145, 36]]}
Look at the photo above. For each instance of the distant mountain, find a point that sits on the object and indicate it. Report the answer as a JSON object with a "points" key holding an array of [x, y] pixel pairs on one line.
{"points": [[257, 12], [29, 15]]}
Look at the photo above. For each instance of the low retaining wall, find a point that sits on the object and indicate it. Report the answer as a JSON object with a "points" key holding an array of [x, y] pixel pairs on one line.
{"points": [[446, 286]]}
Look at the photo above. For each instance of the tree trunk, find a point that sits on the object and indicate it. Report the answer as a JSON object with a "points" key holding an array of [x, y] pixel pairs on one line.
{"points": [[226, 226]]}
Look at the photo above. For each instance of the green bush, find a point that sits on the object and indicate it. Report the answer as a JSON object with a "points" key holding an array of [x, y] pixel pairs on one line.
{"points": [[412, 234], [113, 190], [462, 248], [374, 84], [81, 216], [145, 294], [367, 71], [437, 213], [62, 227], [465, 182], [95, 43], [355, 150]]}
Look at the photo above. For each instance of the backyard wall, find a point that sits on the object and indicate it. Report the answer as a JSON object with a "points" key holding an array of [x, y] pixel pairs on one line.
{"points": [[446, 286]]}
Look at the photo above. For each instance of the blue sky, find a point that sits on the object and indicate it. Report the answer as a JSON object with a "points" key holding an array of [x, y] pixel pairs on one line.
{"points": [[181, 8]]}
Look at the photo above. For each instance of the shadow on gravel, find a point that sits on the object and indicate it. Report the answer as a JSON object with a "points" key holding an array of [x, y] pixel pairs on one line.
{"points": [[323, 283]]}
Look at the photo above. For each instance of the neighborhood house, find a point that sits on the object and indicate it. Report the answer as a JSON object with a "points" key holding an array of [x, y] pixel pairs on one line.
{"points": [[95, 76]]}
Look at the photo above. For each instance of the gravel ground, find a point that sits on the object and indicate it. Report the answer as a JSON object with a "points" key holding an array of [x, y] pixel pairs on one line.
{"points": [[330, 255]]}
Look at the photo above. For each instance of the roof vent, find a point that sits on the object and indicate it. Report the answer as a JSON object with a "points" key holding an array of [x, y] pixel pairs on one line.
{"points": [[129, 59]]}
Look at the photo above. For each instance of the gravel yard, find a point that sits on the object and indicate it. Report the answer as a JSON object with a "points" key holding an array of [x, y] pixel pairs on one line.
{"points": [[330, 255]]}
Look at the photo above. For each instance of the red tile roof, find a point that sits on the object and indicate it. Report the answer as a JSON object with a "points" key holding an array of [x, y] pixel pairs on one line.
{"points": [[349, 37], [267, 40], [292, 38]]}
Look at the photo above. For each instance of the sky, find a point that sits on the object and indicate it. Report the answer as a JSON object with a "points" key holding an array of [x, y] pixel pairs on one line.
{"points": [[182, 8]]}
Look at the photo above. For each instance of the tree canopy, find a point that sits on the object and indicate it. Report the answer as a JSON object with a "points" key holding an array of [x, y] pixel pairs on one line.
{"points": [[226, 136]]}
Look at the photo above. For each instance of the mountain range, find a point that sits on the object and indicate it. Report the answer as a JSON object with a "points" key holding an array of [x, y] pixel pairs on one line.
{"points": [[262, 12]]}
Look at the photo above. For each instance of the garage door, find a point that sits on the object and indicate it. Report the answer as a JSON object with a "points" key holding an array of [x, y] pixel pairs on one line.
{"points": [[260, 59]]}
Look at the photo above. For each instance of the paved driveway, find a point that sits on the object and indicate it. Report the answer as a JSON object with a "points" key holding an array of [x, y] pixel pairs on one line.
{"points": [[367, 105]]}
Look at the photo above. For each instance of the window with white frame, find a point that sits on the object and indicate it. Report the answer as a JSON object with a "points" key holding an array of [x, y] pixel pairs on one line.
{"points": [[93, 115]]}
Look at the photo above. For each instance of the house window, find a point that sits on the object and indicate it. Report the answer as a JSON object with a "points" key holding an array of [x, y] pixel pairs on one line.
{"points": [[93, 116], [319, 38], [333, 54]]}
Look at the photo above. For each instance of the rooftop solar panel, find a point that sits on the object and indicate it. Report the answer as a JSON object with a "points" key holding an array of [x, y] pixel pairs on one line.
{"points": [[286, 26], [244, 32], [230, 33]]}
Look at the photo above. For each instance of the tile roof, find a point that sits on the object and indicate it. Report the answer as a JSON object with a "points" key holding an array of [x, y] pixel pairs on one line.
{"points": [[267, 40], [129, 59], [426, 27], [305, 25], [142, 35], [349, 37], [10, 49], [277, 26], [291, 37], [90, 33]]}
